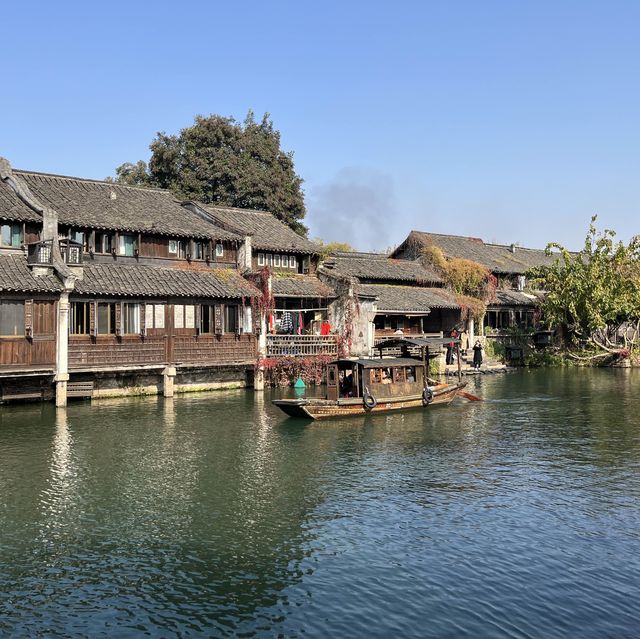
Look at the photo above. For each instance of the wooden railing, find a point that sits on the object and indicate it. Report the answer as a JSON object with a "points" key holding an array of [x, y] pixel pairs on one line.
{"points": [[396, 352], [301, 345]]}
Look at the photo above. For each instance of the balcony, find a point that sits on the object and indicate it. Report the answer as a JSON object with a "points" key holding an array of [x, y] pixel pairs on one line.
{"points": [[301, 345], [42, 252]]}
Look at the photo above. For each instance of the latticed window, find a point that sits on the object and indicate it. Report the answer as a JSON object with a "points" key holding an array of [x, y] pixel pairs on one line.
{"points": [[11, 318]]}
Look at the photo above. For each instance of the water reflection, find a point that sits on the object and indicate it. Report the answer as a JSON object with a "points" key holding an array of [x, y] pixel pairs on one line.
{"points": [[214, 515]]}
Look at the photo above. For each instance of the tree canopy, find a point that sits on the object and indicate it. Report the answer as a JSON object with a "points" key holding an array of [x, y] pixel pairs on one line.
{"points": [[594, 292], [224, 162]]}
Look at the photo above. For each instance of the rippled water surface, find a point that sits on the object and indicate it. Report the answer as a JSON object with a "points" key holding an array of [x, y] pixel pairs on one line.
{"points": [[214, 515]]}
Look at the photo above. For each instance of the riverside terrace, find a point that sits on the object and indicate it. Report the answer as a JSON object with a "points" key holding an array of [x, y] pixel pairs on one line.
{"points": [[140, 294]]}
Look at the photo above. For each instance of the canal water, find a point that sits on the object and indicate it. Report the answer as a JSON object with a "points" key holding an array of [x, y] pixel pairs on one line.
{"points": [[214, 515]]}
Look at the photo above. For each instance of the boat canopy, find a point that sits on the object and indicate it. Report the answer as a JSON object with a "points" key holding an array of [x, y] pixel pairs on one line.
{"points": [[388, 362]]}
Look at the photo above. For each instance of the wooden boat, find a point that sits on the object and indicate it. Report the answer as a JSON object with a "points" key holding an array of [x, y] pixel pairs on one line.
{"points": [[362, 386]]}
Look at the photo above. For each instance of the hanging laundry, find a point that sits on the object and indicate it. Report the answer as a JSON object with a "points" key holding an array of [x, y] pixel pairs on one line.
{"points": [[286, 323], [300, 323], [325, 329]]}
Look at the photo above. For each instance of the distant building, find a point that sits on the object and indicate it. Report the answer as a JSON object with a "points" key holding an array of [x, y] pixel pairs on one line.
{"points": [[515, 305]]}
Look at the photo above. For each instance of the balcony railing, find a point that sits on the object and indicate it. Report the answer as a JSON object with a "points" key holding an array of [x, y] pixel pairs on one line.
{"points": [[301, 345], [42, 252]]}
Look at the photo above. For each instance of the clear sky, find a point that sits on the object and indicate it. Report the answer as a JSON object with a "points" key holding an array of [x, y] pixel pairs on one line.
{"points": [[509, 120]]}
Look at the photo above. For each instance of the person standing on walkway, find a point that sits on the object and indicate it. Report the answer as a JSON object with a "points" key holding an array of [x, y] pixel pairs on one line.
{"points": [[477, 355]]}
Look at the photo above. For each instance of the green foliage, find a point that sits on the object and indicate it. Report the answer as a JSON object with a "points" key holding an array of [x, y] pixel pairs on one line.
{"points": [[332, 247], [473, 283], [595, 291], [132, 174], [221, 161]]}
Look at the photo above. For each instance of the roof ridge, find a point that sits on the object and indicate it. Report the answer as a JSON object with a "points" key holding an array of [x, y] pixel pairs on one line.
{"points": [[233, 208], [471, 237], [94, 181]]}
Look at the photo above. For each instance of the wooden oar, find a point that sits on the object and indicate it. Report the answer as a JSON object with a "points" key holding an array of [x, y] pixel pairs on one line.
{"points": [[469, 396]]}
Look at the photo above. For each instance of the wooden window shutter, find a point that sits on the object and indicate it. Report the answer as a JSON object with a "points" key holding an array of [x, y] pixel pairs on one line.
{"points": [[118, 318], [28, 318], [198, 318], [92, 319], [238, 319], [218, 318]]}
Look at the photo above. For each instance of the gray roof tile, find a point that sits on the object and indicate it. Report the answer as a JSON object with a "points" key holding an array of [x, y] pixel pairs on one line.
{"points": [[268, 233], [498, 258], [300, 286], [377, 266], [105, 205], [152, 281], [15, 275], [409, 299]]}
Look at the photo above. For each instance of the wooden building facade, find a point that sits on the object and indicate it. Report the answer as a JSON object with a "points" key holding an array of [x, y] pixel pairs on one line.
{"points": [[111, 290]]}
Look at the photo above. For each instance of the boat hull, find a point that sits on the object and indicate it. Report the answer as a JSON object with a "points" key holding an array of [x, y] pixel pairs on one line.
{"points": [[325, 408]]}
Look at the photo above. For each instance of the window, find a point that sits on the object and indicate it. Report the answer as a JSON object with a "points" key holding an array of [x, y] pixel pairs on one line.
{"points": [[128, 245], [199, 250], [81, 237], [292, 261], [261, 259], [230, 319], [79, 318], [285, 261], [399, 375], [178, 316], [276, 260], [247, 321], [173, 247], [106, 318], [11, 318], [189, 316], [154, 316], [184, 316], [11, 235], [104, 242], [521, 282], [206, 319], [219, 250], [269, 259], [131, 319]]}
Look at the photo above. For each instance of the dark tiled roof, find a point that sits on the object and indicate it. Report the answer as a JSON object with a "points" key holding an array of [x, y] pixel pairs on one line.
{"points": [[268, 233], [409, 299], [377, 266], [152, 281], [15, 275], [498, 258], [300, 286], [103, 205], [13, 208], [505, 297]]}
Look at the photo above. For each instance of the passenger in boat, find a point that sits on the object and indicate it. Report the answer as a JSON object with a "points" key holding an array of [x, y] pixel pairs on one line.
{"points": [[386, 376], [346, 384]]}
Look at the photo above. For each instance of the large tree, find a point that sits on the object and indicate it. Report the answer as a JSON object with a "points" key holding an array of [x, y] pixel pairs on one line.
{"points": [[595, 292], [221, 161]]}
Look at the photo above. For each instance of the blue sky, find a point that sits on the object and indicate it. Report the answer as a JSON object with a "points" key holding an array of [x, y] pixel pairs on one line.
{"points": [[512, 121]]}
